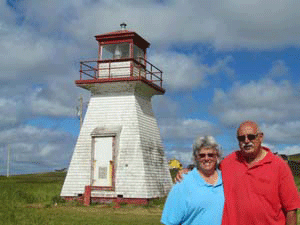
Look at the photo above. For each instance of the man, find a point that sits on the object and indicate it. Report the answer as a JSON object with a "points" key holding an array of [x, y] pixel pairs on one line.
{"points": [[259, 187]]}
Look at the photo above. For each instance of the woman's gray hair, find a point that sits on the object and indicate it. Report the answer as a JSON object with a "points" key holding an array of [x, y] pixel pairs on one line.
{"points": [[205, 142]]}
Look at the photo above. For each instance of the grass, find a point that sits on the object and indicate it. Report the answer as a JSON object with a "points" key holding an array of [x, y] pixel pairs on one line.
{"points": [[297, 181], [82, 215], [30, 199], [294, 157]]}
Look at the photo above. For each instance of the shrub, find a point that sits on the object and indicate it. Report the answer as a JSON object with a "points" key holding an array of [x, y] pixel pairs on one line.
{"points": [[57, 199]]}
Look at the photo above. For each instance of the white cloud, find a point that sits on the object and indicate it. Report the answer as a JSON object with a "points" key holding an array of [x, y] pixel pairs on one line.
{"points": [[29, 59], [45, 106], [181, 72], [53, 99], [279, 68], [232, 24], [273, 148], [275, 105], [263, 100], [186, 129], [222, 65], [165, 107], [258, 24], [6, 14], [22, 51], [285, 149], [8, 116], [31, 144], [287, 132], [291, 150], [58, 99]]}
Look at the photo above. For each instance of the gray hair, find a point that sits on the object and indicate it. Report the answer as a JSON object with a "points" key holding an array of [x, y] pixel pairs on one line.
{"points": [[205, 142]]}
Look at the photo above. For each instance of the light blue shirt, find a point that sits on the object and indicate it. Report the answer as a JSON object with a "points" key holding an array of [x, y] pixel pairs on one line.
{"points": [[194, 202]]}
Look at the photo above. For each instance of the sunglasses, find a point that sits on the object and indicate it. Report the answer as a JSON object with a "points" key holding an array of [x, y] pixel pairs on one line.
{"points": [[250, 137], [209, 155]]}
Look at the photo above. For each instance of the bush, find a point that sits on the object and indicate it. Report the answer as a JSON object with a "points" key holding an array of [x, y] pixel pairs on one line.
{"points": [[57, 199], [25, 196]]}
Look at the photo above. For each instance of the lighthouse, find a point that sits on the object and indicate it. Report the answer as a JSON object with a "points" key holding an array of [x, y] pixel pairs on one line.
{"points": [[119, 156]]}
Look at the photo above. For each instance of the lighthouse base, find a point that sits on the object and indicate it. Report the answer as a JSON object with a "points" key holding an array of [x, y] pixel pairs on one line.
{"points": [[87, 198], [119, 150]]}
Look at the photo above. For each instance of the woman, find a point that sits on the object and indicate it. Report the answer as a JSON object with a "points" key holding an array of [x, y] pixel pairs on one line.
{"points": [[199, 198]]}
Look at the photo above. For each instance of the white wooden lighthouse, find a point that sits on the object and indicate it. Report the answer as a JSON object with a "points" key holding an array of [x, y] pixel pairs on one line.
{"points": [[118, 155]]}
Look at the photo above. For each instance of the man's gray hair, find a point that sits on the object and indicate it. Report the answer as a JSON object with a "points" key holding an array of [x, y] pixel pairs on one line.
{"points": [[205, 142]]}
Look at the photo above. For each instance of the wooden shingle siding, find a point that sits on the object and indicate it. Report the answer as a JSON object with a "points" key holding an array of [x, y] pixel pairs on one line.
{"points": [[141, 170], [115, 69]]}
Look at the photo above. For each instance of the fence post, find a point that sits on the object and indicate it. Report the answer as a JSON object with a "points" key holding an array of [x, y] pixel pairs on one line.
{"points": [[87, 196]]}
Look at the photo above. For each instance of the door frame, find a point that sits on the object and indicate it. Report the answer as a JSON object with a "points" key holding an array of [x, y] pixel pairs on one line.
{"points": [[113, 132]]}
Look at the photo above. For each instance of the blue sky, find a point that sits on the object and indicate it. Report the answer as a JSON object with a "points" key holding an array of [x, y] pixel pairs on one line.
{"points": [[223, 62]]}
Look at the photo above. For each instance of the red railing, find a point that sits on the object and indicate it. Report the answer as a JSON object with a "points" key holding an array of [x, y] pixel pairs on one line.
{"points": [[117, 68]]}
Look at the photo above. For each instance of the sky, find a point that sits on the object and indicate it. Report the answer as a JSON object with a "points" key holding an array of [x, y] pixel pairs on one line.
{"points": [[223, 62]]}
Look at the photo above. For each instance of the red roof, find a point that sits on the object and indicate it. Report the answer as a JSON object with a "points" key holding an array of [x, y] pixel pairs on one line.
{"points": [[116, 32], [121, 35]]}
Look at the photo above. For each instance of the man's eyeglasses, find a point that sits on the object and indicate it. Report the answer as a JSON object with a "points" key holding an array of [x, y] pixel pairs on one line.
{"points": [[250, 137], [209, 155]]}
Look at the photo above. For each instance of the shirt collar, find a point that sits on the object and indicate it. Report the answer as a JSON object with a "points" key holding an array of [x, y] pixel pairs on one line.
{"points": [[202, 182], [267, 159]]}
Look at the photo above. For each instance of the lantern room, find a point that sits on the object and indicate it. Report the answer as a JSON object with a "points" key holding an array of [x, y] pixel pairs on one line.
{"points": [[122, 44], [121, 57]]}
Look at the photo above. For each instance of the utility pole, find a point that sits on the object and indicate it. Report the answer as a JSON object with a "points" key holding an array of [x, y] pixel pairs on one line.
{"points": [[8, 160], [80, 110]]}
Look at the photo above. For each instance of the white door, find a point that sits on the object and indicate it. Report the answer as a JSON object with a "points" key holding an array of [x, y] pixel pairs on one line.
{"points": [[103, 161]]}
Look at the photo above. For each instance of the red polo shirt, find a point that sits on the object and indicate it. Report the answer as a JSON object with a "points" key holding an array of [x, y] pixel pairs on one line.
{"points": [[259, 195]]}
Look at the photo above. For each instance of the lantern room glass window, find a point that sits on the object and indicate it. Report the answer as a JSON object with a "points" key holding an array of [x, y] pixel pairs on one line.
{"points": [[138, 53], [115, 51]]}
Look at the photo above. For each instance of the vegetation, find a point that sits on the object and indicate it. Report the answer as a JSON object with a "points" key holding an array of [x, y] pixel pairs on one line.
{"points": [[173, 174], [294, 157], [34, 199], [297, 180]]}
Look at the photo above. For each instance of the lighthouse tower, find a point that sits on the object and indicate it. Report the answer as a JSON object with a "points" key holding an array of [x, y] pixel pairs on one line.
{"points": [[118, 155]]}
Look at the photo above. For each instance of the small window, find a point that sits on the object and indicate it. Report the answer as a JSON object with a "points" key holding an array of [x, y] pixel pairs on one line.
{"points": [[115, 51], [102, 173]]}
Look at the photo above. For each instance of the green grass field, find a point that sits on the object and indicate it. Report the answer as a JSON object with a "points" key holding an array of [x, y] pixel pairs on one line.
{"points": [[297, 180], [295, 157], [30, 199]]}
